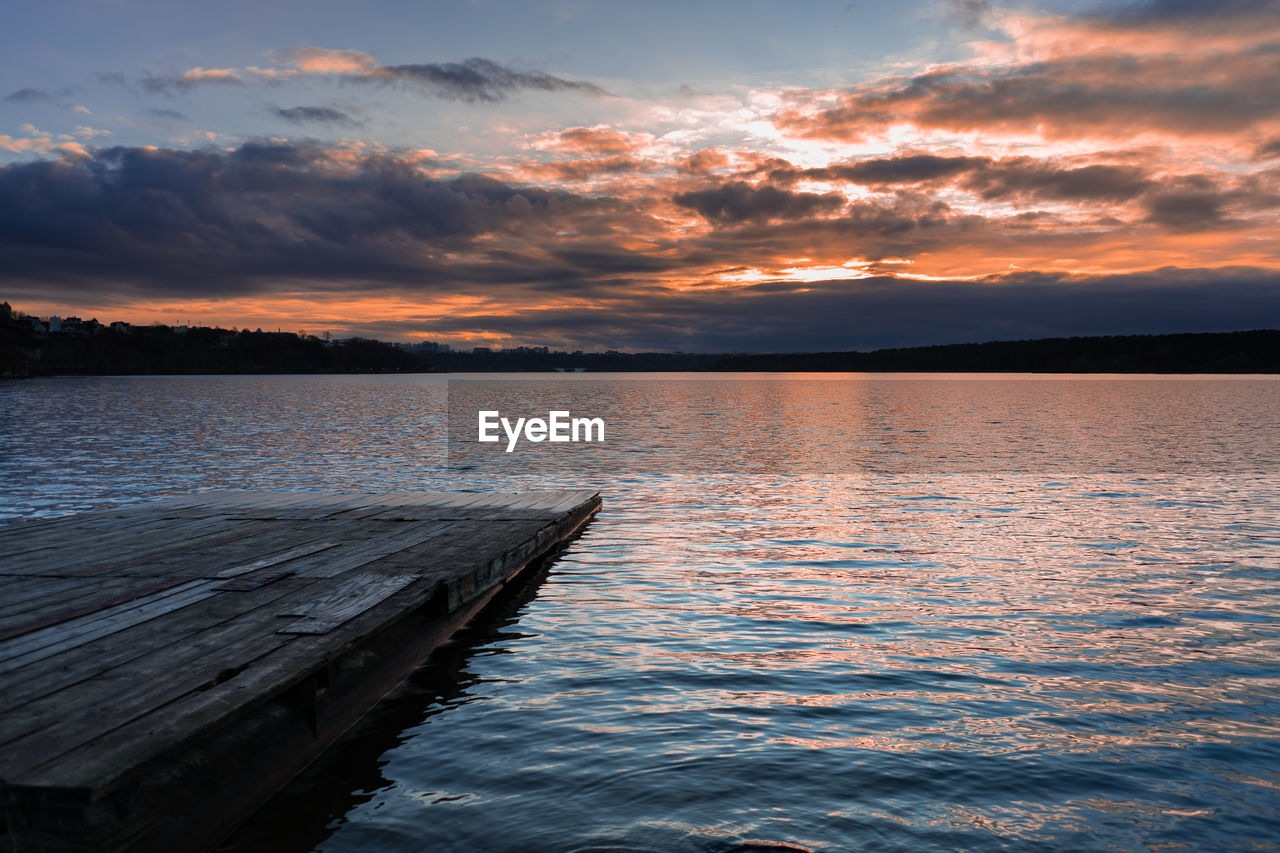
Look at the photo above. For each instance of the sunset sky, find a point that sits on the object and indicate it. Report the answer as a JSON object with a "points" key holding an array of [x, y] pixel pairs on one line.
{"points": [[645, 176]]}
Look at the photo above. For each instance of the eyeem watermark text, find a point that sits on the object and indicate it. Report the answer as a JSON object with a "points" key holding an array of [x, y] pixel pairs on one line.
{"points": [[559, 426]]}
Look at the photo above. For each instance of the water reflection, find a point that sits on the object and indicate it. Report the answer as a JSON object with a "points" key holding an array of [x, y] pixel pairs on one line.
{"points": [[807, 424], [350, 774], [1054, 625]]}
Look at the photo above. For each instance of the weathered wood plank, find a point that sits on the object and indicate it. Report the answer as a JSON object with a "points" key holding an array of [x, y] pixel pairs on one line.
{"points": [[278, 503], [20, 593], [555, 503], [389, 539], [276, 559], [168, 630], [74, 531], [222, 545], [368, 508], [128, 544], [257, 579], [354, 595], [67, 605], [332, 506], [221, 541], [519, 502], [45, 642]]}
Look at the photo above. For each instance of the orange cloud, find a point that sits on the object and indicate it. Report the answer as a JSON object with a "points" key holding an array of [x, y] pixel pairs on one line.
{"points": [[599, 140], [209, 75], [583, 170], [1061, 78], [318, 60], [41, 143]]}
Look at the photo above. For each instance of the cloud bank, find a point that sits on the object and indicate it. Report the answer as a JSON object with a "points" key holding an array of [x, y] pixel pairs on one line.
{"points": [[1114, 171], [271, 220]]}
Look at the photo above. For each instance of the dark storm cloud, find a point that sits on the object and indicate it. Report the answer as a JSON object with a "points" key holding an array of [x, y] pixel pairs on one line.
{"points": [[613, 261], [266, 219], [741, 202], [1201, 203], [904, 226], [1268, 150], [475, 80], [29, 96], [1015, 177], [1030, 178], [898, 170], [318, 115], [885, 312], [208, 222], [172, 84], [472, 80], [1185, 210]]}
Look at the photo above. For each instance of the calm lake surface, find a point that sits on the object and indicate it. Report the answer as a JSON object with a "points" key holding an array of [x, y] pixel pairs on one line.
{"points": [[817, 612]]}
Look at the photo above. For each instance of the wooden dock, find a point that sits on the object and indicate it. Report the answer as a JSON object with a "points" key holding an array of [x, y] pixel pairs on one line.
{"points": [[166, 666]]}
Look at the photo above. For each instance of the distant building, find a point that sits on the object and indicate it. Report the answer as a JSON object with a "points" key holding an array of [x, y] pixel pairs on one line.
{"points": [[73, 326], [55, 324], [120, 326], [428, 347]]}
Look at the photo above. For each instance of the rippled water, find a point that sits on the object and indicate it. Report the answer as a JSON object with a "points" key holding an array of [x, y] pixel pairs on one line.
{"points": [[917, 613]]}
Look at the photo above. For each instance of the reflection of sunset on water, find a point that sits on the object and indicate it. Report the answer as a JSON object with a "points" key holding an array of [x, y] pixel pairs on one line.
{"points": [[823, 610]]}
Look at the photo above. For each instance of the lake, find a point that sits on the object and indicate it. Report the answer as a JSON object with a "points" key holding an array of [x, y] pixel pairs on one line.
{"points": [[817, 612]]}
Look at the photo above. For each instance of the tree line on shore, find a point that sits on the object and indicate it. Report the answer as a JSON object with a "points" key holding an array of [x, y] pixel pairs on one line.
{"points": [[1255, 351], [90, 348], [31, 347]]}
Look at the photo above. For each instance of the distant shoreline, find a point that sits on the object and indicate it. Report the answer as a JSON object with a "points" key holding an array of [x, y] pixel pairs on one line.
{"points": [[93, 349]]}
